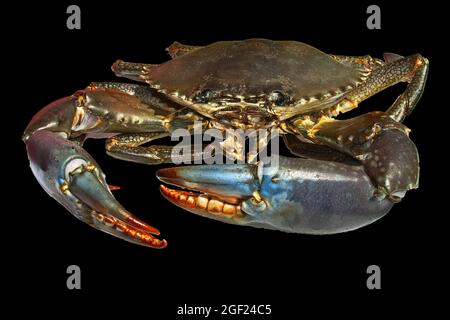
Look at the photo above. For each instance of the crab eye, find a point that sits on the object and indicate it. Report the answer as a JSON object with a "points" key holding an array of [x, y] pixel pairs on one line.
{"points": [[278, 98], [204, 96]]}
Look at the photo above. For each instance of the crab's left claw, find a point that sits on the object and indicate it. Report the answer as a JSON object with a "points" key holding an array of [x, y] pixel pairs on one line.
{"points": [[298, 195], [70, 175]]}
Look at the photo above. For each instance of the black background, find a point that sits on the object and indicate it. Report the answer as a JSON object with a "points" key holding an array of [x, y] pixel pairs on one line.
{"points": [[207, 262]]}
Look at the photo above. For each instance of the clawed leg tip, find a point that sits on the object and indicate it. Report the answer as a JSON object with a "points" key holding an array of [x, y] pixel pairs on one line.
{"points": [[142, 225], [131, 230], [161, 244], [154, 243], [145, 239]]}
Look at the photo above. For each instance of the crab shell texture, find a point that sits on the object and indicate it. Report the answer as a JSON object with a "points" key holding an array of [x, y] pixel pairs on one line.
{"points": [[282, 78]]}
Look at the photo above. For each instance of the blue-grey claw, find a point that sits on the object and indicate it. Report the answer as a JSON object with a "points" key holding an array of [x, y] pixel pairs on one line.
{"points": [[300, 195], [70, 175]]}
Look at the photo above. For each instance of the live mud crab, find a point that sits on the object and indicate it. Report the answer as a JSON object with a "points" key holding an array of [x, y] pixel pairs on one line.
{"points": [[348, 173]]}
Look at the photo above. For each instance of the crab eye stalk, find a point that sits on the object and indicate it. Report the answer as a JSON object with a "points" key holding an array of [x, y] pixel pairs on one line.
{"points": [[277, 98], [204, 96]]}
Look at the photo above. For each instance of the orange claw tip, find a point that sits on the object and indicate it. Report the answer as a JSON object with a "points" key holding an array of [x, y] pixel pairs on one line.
{"points": [[115, 65], [158, 244], [142, 225], [163, 189], [146, 239], [112, 187]]}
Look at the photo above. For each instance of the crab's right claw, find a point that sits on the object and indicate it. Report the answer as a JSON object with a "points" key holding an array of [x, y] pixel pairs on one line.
{"points": [[381, 145], [70, 175], [299, 195]]}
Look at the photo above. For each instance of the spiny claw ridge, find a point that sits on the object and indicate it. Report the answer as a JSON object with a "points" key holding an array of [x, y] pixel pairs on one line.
{"points": [[203, 202]]}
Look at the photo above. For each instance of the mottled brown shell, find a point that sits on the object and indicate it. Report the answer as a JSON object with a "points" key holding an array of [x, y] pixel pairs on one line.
{"points": [[310, 79], [254, 67]]}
